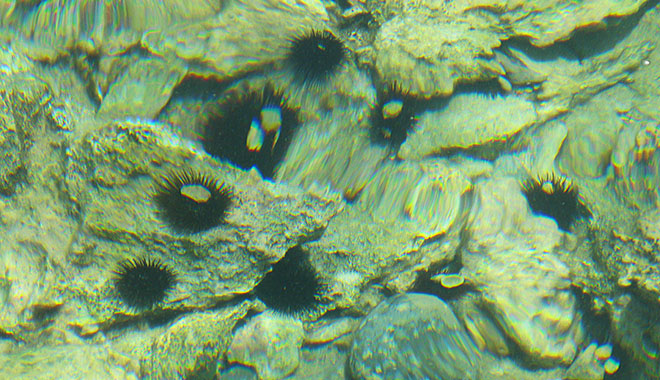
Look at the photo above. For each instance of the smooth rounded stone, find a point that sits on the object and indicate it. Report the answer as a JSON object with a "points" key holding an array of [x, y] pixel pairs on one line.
{"points": [[328, 331], [413, 336], [143, 89], [270, 344], [458, 126]]}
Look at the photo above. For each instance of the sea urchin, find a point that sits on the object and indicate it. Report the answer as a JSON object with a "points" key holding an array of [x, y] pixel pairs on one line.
{"points": [[556, 198], [292, 286], [192, 202], [394, 115], [142, 283], [315, 55], [250, 129]]}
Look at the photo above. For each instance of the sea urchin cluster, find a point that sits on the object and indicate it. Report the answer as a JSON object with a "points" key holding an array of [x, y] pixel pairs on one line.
{"points": [[315, 55], [556, 198], [192, 202], [250, 129], [292, 286], [142, 283]]}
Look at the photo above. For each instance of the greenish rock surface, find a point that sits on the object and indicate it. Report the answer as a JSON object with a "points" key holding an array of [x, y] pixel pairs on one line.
{"points": [[413, 336]]}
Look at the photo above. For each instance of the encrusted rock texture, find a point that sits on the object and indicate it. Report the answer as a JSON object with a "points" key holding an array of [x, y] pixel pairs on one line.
{"points": [[97, 104]]}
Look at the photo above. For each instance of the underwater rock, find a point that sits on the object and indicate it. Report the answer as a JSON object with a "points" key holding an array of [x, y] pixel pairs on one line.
{"points": [[413, 336], [543, 144], [113, 172], [36, 221], [636, 162], [524, 286], [95, 25], [586, 366], [334, 151], [193, 345], [436, 45], [649, 225], [66, 361], [480, 326], [429, 196], [457, 127], [548, 22], [174, 38], [592, 132], [431, 51], [225, 53], [270, 344], [407, 220], [635, 328], [142, 90], [12, 61], [327, 331]]}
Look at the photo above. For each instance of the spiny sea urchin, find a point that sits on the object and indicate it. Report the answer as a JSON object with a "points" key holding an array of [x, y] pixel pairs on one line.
{"points": [[191, 202], [557, 198], [250, 129], [394, 115], [292, 286], [315, 55], [142, 283]]}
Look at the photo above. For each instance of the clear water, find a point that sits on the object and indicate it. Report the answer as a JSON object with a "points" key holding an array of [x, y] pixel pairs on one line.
{"points": [[357, 189]]}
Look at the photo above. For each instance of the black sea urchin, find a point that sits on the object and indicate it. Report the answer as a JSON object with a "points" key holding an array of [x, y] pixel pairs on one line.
{"points": [[250, 129], [315, 55], [394, 115], [142, 283], [556, 198], [292, 286], [191, 202]]}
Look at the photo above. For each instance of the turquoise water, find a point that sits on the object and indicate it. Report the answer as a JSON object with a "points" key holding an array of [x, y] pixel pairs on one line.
{"points": [[359, 189]]}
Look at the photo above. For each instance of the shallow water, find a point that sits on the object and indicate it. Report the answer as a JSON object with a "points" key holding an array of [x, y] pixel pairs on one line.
{"points": [[360, 189]]}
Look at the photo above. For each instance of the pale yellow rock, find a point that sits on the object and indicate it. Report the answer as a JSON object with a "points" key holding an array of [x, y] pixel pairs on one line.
{"points": [[271, 119], [331, 331], [392, 109], [268, 343], [429, 196], [142, 90], [611, 366], [524, 286], [604, 352], [585, 366], [431, 52], [592, 132], [197, 193], [468, 120], [649, 225], [450, 281], [545, 22], [481, 327]]}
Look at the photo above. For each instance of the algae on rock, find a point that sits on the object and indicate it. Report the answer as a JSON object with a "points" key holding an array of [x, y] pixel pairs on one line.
{"points": [[468, 122]]}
